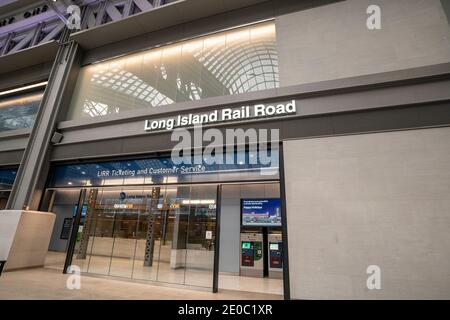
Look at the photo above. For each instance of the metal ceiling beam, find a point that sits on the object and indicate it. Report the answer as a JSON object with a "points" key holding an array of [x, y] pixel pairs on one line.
{"points": [[49, 24], [56, 9]]}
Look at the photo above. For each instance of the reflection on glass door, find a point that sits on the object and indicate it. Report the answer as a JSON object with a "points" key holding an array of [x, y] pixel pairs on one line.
{"points": [[187, 231], [87, 224], [145, 264], [173, 233], [201, 235], [156, 233], [64, 204], [127, 209]]}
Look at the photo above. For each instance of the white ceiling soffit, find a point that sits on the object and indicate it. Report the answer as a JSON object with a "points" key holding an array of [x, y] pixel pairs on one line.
{"points": [[21, 59], [155, 19]]}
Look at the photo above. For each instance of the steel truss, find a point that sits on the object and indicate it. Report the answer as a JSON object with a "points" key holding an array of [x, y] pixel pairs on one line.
{"points": [[49, 24]]}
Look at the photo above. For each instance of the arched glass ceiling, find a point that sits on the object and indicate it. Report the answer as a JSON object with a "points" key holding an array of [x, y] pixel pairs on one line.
{"points": [[231, 62]]}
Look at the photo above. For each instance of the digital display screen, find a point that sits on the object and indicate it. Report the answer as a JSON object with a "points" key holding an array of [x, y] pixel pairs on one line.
{"points": [[83, 210], [246, 245], [273, 246], [261, 212]]}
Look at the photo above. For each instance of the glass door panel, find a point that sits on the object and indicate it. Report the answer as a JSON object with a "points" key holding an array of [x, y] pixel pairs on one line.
{"points": [[86, 230], [201, 236], [173, 228], [103, 230], [159, 233], [148, 234], [63, 203], [125, 226]]}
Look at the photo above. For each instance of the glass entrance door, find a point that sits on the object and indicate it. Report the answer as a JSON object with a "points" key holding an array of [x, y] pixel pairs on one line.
{"points": [[187, 234], [64, 204], [200, 239], [159, 233]]}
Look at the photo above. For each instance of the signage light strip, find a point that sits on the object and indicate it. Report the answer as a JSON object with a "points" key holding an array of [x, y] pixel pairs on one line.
{"points": [[202, 201], [31, 86]]}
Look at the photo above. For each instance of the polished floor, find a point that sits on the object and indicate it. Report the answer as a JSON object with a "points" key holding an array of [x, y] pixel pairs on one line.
{"points": [[134, 269], [122, 267], [250, 284], [50, 284]]}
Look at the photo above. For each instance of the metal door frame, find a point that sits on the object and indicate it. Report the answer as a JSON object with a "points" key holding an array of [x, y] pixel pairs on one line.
{"points": [[73, 234]]}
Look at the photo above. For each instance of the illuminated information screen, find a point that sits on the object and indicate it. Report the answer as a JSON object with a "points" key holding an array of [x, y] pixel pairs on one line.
{"points": [[261, 212]]}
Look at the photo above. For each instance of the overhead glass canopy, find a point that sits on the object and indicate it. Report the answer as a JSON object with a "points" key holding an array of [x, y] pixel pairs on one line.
{"points": [[226, 63]]}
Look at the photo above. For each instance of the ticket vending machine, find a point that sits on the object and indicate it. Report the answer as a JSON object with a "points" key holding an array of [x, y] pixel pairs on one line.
{"points": [[274, 252], [252, 262]]}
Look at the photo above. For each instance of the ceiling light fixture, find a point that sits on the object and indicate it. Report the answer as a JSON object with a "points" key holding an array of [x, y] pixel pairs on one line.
{"points": [[31, 86]]}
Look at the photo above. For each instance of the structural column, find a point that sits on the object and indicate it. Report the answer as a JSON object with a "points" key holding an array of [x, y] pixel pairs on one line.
{"points": [[150, 239], [33, 170], [88, 221]]}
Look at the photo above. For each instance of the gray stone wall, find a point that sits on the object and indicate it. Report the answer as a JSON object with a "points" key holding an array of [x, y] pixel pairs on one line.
{"points": [[370, 199], [332, 41]]}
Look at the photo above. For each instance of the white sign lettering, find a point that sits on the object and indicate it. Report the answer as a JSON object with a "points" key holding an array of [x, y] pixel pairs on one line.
{"points": [[222, 115]]}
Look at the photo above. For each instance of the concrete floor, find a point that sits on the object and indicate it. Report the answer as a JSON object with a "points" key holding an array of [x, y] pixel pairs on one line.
{"points": [[46, 283], [163, 272]]}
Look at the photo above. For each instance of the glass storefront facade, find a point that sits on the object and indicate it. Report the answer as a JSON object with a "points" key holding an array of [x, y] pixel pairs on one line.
{"points": [[19, 111], [144, 219], [226, 63], [113, 237], [162, 170]]}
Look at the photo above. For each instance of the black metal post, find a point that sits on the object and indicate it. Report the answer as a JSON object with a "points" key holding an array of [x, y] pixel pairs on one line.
{"points": [[284, 235], [217, 242], [73, 234]]}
